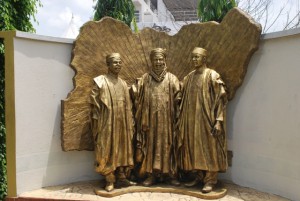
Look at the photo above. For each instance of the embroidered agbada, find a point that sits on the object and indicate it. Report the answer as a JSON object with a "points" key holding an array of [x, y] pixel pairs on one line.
{"points": [[156, 105], [203, 103], [112, 124]]}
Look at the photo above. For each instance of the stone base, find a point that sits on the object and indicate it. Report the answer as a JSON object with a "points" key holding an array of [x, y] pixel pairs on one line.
{"points": [[85, 190], [219, 191]]}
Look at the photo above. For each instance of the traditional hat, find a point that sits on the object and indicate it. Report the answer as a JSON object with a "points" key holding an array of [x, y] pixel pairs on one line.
{"points": [[112, 55], [158, 51], [199, 50]]}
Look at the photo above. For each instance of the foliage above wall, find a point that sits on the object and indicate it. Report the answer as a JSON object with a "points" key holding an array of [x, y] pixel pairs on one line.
{"points": [[214, 10]]}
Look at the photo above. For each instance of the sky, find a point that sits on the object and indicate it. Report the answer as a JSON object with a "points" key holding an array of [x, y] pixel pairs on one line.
{"points": [[55, 16], [280, 11]]}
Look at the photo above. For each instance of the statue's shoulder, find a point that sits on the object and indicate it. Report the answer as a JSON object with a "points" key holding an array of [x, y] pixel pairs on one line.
{"points": [[188, 76], [215, 76], [100, 80], [172, 76], [143, 78], [210, 72], [123, 82]]}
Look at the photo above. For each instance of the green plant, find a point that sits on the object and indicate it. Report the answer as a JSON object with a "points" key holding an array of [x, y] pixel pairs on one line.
{"points": [[3, 183], [121, 10], [214, 10]]}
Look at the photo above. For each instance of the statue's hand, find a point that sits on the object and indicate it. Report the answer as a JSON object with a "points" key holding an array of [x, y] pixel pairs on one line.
{"points": [[139, 155], [217, 130]]}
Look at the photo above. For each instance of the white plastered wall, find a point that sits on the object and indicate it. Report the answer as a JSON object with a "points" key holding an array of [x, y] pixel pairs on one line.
{"points": [[263, 118], [43, 78], [163, 13]]}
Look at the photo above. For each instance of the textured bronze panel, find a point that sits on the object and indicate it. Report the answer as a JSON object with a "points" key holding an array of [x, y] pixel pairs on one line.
{"points": [[230, 44]]}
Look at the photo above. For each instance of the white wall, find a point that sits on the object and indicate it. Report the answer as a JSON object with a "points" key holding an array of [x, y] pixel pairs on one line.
{"points": [[163, 17], [146, 14], [263, 118], [42, 79], [163, 13]]}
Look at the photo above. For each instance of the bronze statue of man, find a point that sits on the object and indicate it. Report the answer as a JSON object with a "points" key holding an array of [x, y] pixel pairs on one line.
{"points": [[112, 125], [202, 146], [157, 95]]}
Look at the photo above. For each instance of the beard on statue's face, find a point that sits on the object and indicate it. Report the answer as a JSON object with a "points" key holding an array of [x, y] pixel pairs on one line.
{"points": [[158, 64]]}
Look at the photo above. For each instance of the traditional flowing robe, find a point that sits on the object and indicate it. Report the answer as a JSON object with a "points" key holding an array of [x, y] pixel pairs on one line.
{"points": [[203, 103], [156, 105], [112, 124]]}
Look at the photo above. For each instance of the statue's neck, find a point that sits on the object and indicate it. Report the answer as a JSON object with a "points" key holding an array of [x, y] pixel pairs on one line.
{"points": [[201, 68], [112, 75]]}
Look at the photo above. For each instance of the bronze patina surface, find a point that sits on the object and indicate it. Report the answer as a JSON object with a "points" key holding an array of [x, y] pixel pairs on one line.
{"points": [[230, 44], [219, 192], [202, 141], [112, 124], [156, 98]]}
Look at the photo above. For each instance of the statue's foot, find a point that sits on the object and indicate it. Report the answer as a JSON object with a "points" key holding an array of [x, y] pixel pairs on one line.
{"points": [[192, 183], [126, 182], [174, 182], [109, 186], [149, 181], [207, 188]]}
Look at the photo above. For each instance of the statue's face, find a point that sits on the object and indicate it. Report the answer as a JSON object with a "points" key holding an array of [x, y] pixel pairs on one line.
{"points": [[198, 60], [158, 63], [115, 65]]}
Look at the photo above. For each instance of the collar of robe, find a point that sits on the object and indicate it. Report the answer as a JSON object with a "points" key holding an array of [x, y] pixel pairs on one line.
{"points": [[200, 70], [160, 77]]}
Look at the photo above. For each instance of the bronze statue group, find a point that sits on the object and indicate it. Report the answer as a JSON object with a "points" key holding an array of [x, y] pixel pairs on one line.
{"points": [[161, 129]]}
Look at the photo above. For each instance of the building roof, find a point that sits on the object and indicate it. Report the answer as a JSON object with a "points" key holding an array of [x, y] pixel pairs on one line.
{"points": [[183, 10], [181, 4], [154, 3]]}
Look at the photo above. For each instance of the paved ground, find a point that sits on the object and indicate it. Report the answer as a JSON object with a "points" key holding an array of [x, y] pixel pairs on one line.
{"points": [[85, 191]]}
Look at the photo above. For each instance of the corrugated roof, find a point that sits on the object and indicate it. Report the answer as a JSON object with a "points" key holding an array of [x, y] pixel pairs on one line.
{"points": [[183, 10], [181, 4], [154, 3]]}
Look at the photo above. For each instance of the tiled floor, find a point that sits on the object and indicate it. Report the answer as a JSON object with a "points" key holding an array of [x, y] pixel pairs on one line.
{"points": [[85, 191]]}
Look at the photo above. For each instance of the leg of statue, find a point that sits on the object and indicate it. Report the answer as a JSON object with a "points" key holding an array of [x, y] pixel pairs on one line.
{"points": [[210, 180], [150, 180], [120, 173], [110, 180], [197, 180], [172, 180], [122, 179]]}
